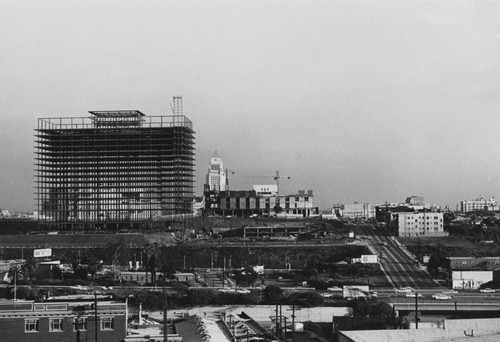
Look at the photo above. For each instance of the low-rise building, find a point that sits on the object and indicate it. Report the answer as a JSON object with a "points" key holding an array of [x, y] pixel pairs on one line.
{"points": [[473, 263], [139, 277], [244, 203], [417, 224], [71, 321], [470, 280], [362, 211], [479, 204]]}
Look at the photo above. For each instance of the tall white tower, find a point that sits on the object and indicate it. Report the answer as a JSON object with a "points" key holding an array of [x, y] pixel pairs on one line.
{"points": [[216, 177]]}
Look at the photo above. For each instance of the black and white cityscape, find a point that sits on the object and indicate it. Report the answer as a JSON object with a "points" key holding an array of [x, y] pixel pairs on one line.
{"points": [[212, 171]]}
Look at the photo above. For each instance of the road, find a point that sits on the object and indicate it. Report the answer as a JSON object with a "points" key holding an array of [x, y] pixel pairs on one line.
{"points": [[400, 269]]}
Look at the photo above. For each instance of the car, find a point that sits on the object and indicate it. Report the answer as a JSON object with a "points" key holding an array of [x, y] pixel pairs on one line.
{"points": [[334, 288], [450, 292], [487, 290], [405, 290], [327, 295], [226, 290], [441, 296], [373, 294], [79, 287], [245, 291], [413, 295]]}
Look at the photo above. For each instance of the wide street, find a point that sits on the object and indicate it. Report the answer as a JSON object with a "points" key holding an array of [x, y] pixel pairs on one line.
{"points": [[400, 269]]}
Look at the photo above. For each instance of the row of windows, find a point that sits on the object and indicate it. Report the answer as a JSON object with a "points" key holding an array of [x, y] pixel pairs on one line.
{"points": [[32, 325]]}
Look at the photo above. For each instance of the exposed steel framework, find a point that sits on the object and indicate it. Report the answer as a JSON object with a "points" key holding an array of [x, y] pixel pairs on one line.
{"points": [[113, 170]]}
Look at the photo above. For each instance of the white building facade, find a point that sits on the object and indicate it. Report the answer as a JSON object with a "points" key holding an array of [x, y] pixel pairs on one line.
{"points": [[417, 224], [479, 204], [216, 177], [362, 211]]}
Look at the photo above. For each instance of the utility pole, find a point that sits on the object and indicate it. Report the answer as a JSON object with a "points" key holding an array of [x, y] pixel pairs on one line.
{"points": [[284, 330], [416, 310], [165, 321], [95, 314]]}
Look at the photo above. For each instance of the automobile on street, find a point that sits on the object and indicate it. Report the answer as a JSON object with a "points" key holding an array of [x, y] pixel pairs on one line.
{"points": [[413, 295], [487, 290], [404, 290], [441, 296]]}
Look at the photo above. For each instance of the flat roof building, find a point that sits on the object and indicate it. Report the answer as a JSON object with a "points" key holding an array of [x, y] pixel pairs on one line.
{"points": [[113, 170]]}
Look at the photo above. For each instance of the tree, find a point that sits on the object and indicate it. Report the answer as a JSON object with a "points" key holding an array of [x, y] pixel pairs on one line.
{"points": [[94, 266], [246, 276], [272, 294], [29, 267], [438, 259], [14, 274], [277, 209]]}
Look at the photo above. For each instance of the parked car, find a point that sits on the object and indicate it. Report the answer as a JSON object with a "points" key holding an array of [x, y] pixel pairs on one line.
{"points": [[441, 296], [487, 290], [450, 292], [413, 295], [245, 291]]}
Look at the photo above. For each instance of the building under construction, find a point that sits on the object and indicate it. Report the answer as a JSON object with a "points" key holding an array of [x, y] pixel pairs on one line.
{"points": [[114, 170]]}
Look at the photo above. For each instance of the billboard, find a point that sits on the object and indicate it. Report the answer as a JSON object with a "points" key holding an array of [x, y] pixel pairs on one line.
{"points": [[42, 253]]}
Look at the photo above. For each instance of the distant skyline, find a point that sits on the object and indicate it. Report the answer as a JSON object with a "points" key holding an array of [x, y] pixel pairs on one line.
{"points": [[367, 101]]}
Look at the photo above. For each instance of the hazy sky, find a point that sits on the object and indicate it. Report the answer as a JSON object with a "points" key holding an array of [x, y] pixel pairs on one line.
{"points": [[365, 101]]}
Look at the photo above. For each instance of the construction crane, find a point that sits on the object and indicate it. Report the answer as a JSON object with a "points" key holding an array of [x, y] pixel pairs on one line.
{"points": [[276, 177]]}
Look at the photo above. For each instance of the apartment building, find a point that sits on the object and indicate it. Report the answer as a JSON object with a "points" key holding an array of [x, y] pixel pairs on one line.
{"points": [[415, 224]]}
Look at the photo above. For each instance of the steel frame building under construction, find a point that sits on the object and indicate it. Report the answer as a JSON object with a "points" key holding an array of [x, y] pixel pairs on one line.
{"points": [[113, 170]]}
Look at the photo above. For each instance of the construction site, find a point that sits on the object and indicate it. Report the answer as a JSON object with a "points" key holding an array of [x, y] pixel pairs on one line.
{"points": [[114, 170]]}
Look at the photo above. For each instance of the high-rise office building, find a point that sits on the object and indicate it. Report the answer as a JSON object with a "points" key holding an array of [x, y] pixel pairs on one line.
{"points": [[216, 177], [114, 170]]}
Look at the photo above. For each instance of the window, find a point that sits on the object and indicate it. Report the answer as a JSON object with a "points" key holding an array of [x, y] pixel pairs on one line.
{"points": [[107, 323], [56, 324], [80, 324], [31, 325]]}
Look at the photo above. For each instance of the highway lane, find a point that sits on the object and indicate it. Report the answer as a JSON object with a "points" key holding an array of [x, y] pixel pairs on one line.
{"points": [[398, 266]]}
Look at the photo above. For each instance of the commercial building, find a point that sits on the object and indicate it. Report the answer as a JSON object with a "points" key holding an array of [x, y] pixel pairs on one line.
{"points": [[356, 211], [414, 200], [114, 170], [216, 177], [473, 263], [247, 203], [479, 204], [62, 321]]}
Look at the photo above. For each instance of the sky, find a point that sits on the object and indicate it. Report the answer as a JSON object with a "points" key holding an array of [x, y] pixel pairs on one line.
{"points": [[366, 101]]}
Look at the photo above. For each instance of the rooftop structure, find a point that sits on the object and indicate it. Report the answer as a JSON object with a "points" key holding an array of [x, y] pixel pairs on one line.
{"points": [[113, 170]]}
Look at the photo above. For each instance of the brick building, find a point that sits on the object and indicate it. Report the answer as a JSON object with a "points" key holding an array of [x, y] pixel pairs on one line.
{"points": [[62, 322]]}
